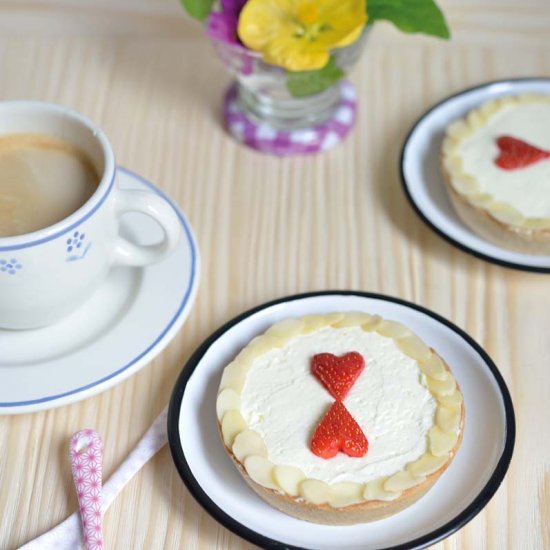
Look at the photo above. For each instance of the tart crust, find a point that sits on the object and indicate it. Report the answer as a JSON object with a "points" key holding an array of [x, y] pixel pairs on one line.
{"points": [[319, 502], [496, 221], [506, 235]]}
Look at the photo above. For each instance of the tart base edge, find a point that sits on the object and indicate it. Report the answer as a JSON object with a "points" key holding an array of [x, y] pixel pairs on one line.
{"points": [[479, 220]]}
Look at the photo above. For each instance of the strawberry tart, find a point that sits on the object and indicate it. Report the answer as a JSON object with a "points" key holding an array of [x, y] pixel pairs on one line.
{"points": [[339, 418], [496, 165]]}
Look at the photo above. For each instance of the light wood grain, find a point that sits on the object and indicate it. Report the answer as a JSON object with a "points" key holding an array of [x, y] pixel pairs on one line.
{"points": [[268, 227]]}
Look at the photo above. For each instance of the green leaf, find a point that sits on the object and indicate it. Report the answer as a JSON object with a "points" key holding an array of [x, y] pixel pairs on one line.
{"points": [[304, 83], [410, 16], [199, 9]]}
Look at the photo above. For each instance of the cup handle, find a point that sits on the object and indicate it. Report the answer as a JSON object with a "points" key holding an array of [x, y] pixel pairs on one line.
{"points": [[128, 253]]}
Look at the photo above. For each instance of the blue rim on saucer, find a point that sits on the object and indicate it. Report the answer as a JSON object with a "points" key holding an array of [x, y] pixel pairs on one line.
{"points": [[143, 353]]}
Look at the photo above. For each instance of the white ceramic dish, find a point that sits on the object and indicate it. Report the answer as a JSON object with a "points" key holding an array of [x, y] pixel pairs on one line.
{"points": [[124, 324], [423, 182], [457, 497]]}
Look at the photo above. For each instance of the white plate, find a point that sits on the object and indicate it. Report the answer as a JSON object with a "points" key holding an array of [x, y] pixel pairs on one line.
{"points": [[423, 183], [460, 493], [126, 322]]}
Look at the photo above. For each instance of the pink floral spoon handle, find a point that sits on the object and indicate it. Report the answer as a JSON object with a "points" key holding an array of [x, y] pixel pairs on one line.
{"points": [[86, 451], [68, 534]]}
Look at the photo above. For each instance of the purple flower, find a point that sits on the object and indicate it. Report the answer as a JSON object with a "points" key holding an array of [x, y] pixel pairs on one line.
{"points": [[233, 7], [223, 26]]}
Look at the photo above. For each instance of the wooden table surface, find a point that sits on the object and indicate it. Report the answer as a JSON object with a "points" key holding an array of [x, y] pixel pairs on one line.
{"points": [[267, 228]]}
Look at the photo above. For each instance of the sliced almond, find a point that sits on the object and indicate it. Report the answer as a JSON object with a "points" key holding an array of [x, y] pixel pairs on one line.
{"points": [[260, 345], [536, 223], [374, 490], [454, 165], [532, 98], [257, 347], [506, 213], [441, 387], [313, 322], [450, 146], [452, 400], [465, 184], [448, 418], [332, 318], [434, 367], [414, 347], [481, 200], [248, 443], [475, 119], [505, 101], [392, 329], [261, 471], [286, 329], [458, 129], [233, 377], [441, 443], [370, 325], [489, 108], [315, 491], [246, 356], [346, 493], [401, 481], [232, 424], [352, 319], [288, 478], [227, 400], [427, 464]]}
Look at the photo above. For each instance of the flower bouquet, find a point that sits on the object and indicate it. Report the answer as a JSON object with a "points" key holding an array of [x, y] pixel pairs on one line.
{"points": [[289, 59]]}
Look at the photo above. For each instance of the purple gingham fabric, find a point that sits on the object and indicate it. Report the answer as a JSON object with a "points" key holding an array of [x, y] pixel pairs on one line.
{"points": [[295, 142]]}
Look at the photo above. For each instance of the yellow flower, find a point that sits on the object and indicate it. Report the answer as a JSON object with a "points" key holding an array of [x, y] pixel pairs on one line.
{"points": [[299, 34]]}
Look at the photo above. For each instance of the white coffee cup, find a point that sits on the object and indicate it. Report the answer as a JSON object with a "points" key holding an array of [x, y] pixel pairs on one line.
{"points": [[46, 274]]}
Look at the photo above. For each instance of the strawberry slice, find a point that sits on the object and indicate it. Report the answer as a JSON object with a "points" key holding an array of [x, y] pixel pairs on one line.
{"points": [[337, 374], [515, 153], [338, 432]]}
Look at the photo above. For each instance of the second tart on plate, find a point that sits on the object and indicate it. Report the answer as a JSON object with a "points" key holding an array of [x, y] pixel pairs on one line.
{"points": [[496, 166]]}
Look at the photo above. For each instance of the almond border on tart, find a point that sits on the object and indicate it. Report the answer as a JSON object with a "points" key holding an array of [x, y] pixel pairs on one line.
{"points": [[286, 487], [496, 221]]}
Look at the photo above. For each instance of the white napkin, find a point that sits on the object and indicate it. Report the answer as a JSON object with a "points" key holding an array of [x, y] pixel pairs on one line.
{"points": [[68, 534]]}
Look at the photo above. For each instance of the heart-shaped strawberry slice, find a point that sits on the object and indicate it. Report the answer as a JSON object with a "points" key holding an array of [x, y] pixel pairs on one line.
{"points": [[337, 374], [515, 153], [338, 432]]}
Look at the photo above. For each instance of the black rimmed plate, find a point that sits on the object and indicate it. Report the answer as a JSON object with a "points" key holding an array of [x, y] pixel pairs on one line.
{"points": [[461, 492], [423, 182]]}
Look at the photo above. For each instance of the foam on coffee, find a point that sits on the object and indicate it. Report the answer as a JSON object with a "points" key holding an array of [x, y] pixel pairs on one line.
{"points": [[43, 179]]}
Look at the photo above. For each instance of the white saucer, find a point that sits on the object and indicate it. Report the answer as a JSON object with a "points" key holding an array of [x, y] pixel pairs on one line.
{"points": [[461, 492], [126, 323], [423, 183]]}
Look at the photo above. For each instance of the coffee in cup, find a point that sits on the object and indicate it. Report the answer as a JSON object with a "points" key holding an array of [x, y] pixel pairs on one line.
{"points": [[43, 179]]}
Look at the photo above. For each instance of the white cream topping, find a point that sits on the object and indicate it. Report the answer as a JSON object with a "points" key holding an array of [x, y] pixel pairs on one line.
{"points": [[526, 189], [284, 403]]}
